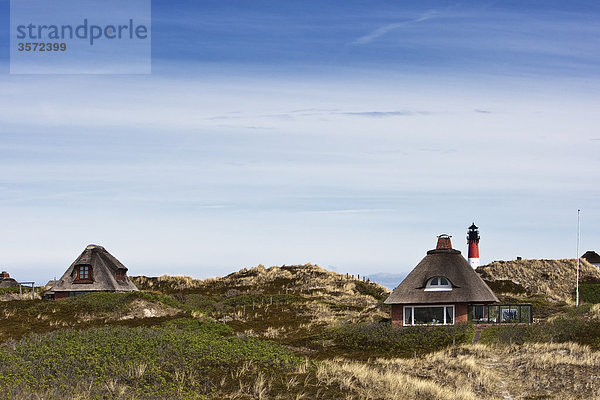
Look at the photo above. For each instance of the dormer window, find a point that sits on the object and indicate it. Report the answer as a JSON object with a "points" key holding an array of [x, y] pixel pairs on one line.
{"points": [[121, 274], [438, 284], [83, 274]]}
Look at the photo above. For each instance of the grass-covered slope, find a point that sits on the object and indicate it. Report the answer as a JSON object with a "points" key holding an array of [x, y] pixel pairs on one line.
{"points": [[290, 332], [290, 304], [179, 359], [553, 279], [22, 317], [191, 360]]}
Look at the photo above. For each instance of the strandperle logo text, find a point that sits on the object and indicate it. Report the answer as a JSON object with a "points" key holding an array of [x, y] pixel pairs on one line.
{"points": [[85, 31]]}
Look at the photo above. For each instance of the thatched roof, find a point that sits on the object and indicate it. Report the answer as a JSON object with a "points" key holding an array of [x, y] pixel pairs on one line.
{"points": [[591, 257], [104, 270], [8, 282], [467, 286]]}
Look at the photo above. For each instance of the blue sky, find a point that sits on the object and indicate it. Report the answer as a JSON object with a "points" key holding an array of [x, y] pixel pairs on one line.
{"points": [[348, 134]]}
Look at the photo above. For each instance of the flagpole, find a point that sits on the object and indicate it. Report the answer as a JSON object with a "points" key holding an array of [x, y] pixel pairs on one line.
{"points": [[578, 234]]}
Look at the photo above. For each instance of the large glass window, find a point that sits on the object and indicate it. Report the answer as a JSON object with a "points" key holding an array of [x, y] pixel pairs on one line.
{"points": [[500, 314], [509, 314], [408, 316], [449, 315], [433, 315], [478, 311]]}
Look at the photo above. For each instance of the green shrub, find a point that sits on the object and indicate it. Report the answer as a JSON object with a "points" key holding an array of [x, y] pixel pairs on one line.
{"points": [[371, 289], [193, 325], [505, 286], [383, 338], [560, 330], [172, 361], [111, 301], [14, 289], [589, 292]]}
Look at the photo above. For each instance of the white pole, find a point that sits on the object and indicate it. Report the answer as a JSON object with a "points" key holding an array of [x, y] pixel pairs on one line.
{"points": [[578, 234]]}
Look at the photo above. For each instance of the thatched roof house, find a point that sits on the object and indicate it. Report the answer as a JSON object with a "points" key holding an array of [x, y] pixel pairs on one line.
{"points": [[6, 281], [592, 257], [95, 270], [439, 289]]}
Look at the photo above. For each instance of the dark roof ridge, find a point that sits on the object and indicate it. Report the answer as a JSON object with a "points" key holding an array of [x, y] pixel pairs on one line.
{"points": [[447, 251]]}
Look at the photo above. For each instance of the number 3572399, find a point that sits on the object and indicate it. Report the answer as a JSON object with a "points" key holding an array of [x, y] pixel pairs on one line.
{"points": [[42, 46]]}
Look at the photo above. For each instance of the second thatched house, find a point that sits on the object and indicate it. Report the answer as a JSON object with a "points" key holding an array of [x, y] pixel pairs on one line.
{"points": [[592, 257], [95, 270], [440, 290], [6, 281]]}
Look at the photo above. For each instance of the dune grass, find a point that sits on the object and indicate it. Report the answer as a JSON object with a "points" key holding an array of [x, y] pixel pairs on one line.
{"points": [[290, 332], [553, 279]]}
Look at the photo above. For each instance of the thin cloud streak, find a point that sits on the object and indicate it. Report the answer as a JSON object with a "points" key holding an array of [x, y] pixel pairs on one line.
{"points": [[381, 31]]}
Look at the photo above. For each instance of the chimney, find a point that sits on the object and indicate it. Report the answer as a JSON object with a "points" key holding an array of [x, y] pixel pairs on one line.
{"points": [[444, 242], [4, 274]]}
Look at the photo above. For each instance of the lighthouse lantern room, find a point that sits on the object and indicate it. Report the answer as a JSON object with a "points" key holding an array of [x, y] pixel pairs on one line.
{"points": [[473, 242]]}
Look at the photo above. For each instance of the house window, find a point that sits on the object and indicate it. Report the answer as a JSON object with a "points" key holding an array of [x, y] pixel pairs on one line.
{"points": [[429, 315], [84, 274], [438, 284], [478, 312], [121, 274]]}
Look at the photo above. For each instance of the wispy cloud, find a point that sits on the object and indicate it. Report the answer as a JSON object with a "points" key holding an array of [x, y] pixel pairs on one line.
{"points": [[350, 211], [383, 30], [382, 114]]}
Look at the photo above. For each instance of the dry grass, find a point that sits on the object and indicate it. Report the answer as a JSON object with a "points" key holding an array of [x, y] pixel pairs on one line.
{"points": [[306, 279], [364, 381], [559, 371], [303, 299], [555, 279]]}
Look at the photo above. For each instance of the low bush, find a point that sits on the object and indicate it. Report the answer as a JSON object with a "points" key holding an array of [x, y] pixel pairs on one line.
{"points": [[383, 338], [14, 289], [560, 330], [505, 286], [177, 360], [371, 289], [589, 292]]}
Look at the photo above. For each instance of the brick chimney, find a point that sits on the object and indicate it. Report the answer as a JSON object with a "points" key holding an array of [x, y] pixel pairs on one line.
{"points": [[444, 242], [4, 274]]}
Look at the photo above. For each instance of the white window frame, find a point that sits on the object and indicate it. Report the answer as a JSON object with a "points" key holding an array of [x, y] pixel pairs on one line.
{"points": [[430, 306], [439, 287]]}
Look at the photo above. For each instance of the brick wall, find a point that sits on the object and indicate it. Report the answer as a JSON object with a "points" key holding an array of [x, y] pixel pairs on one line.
{"points": [[460, 313], [397, 315], [61, 295]]}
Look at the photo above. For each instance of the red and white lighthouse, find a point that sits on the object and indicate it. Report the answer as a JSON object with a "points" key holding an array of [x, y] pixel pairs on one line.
{"points": [[473, 242]]}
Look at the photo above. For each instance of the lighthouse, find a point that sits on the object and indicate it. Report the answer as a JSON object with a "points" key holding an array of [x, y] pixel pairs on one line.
{"points": [[473, 242]]}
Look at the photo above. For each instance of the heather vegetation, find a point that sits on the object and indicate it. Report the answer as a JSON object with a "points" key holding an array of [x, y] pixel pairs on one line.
{"points": [[179, 359], [381, 339], [291, 332]]}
